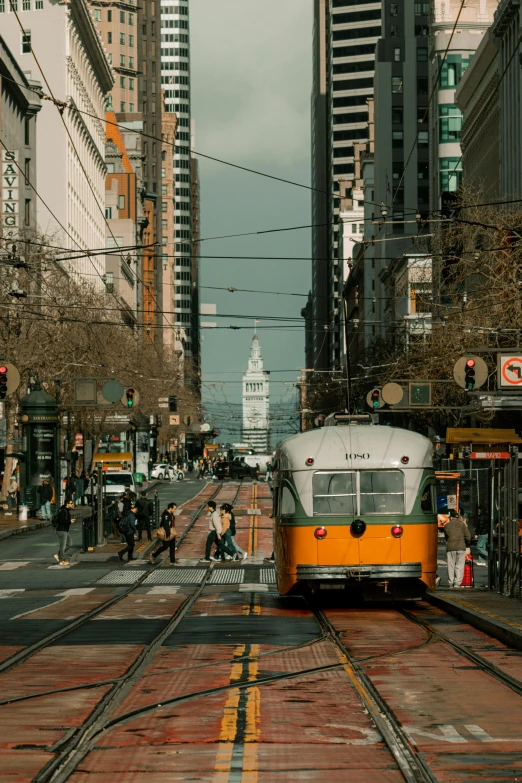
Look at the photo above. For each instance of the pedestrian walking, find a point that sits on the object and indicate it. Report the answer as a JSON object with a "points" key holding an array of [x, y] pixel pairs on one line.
{"points": [[144, 513], [166, 534], [70, 486], [45, 491], [458, 538], [268, 476], [127, 527], [201, 469], [215, 528], [232, 529], [63, 525], [482, 529], [11, 495]]}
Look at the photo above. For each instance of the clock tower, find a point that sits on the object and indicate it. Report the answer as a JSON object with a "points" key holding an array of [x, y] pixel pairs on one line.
{"points": [[256, 401]]}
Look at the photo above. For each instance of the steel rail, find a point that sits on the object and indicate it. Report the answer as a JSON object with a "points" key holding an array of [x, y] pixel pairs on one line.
{"points": [[410, 763], [488, 667], [20, 657]]}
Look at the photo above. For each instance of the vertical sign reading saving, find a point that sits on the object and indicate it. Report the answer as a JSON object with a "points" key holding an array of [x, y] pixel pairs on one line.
{"points": [[10, 191]]}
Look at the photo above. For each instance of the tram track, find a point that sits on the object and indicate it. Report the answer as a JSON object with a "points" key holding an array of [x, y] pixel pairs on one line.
{"points": [[23, 655]]}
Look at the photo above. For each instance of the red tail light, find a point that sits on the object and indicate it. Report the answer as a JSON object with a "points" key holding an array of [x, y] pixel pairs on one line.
{"points": [[397, 531], [310, 461], [320, 533]]}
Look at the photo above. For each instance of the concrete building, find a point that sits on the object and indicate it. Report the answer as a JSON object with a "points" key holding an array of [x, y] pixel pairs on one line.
{"points": [[175, 81], [70, 143], [19, 106], [478, 99], [345, 34], [452, 45], [256, 401]]}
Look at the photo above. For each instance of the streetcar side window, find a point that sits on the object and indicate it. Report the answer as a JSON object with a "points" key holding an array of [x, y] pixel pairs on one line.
{"points": [[335, 493], [287, 503], [381, 492], [428, 499]]}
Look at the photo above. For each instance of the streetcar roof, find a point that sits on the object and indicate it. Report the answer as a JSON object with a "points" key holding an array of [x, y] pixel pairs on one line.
{"points": [[355, 447]]}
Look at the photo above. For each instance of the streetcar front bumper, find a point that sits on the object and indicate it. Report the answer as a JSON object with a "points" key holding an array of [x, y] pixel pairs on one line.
{"points": [[358, 572]]}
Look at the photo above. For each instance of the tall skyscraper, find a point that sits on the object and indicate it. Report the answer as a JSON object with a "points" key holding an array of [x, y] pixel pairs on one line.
{"points": [[345, 35], [256, 401], [175, 79]]}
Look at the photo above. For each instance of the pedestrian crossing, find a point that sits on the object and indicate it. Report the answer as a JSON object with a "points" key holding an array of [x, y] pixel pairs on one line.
{"points": [[190, 576]]}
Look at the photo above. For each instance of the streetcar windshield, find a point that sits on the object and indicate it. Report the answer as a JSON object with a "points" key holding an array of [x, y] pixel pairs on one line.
{"points": [[359, 492]]}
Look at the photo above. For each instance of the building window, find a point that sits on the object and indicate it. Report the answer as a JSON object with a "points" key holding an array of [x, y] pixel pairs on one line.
{"points": [[397, 54], [108, 213], [122, 39], [422, 54], [422, 85], [394, 9], [131, 83], [131, 108], [361, 228], [164, 192], [397, 138], [27, 131], [423, 138], [122, 60], [354, 228], [97, 14], [131, 19], [27, 214], [396, 84], [394, 31], [108, 103], [109, 37], [164, 240], [422, 9], [131, 62], [38, 5], [122, 81], [26, 42], [121, 202], [453, 69], [13, 5], [164, 205], [122, 105], [27, 169], [122, 17], [450, 174], [164, 224], [450, 123], [397, 116], [423, 170], [163, 173], [131, 41], [109, 57], [109, 16]]}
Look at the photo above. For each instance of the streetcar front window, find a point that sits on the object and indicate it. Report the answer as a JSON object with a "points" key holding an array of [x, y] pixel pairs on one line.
{"points": [[361, 492], [335, 493], [382, 492]]}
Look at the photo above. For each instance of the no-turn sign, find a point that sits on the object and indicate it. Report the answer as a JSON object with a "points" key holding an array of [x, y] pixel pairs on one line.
{"points": [[509, 371]]}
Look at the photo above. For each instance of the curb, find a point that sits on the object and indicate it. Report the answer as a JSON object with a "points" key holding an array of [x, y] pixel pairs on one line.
{"points": [[36, 525], [507, 634]]}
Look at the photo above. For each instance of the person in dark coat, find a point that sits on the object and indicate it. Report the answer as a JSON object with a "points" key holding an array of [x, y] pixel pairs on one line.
{"points": [[458, 538], [144, 512], [167, 522], [62, 530], [127, 527], [482, 532], [45, 492]]}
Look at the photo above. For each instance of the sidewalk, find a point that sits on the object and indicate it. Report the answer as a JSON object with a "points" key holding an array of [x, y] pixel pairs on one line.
{"points": [[11, 526], [494, 614]]}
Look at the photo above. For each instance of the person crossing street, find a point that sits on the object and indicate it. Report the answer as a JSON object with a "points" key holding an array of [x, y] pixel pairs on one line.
{"points": [[144, 512], [168, 536], [127, 527], [64, 522]]}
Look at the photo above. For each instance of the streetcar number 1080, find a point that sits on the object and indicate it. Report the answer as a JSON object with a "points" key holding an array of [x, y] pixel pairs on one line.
{"points": [[358, 456]]}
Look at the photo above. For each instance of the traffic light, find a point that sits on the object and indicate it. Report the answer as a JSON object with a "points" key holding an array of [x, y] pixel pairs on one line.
{"points": [[469, 375], [213, 433], [3, 382], [374, 399], [173, 405], [130, 397]]}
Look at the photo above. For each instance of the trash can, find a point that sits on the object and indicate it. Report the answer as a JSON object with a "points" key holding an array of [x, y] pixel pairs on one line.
{"points": [[88, 534], [23, 514]]}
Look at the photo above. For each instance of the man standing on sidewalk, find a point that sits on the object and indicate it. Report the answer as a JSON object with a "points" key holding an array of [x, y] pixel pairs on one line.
{"points": [[62, 530], [46, 495], [482, 533], [458, 538]]}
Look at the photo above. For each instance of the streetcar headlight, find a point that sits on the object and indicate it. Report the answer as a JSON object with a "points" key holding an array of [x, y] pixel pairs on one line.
{"points": [[358, 527], [320, 533], [397, 531]]}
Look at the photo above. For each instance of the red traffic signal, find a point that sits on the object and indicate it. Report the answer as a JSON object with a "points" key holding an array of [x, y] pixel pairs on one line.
{"points": [[9, 379], [469, 375], [375, 397], [3, 382]]}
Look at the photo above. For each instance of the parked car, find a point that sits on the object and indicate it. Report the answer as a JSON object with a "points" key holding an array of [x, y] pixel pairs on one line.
{"points": [[162, 470], [222, 470], [239, 469]]}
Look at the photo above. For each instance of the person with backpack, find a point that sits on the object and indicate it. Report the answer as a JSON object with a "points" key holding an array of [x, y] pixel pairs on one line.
{"points": [[231, 539], [144, 511], [127, 527], [166, 534], [62, 523]]}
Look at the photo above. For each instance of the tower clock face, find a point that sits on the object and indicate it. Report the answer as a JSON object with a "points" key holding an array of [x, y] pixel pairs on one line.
{"points": [[254, 415]]}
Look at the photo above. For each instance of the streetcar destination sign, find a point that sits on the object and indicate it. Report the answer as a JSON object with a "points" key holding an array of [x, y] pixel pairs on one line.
{"points": [[490, 455]]}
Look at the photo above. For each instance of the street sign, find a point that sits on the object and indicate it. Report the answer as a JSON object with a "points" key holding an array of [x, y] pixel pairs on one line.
{"points": [[452, 501], [490, 455], [112, 391], [509, 371], [392, 393], [85, 391], [174, 421], [204, 428], [420, 393]]}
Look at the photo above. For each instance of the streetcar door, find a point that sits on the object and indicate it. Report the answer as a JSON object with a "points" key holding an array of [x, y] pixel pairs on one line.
{"points": [[334, 506], [381, 505]]}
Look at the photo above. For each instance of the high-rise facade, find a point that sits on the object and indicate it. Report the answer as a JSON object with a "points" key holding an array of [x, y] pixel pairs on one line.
{"points": [[175, 80], [256, 401], [345, 35]]}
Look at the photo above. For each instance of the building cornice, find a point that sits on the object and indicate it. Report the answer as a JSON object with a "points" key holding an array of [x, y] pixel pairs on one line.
{"points": [[84, 23], [76, 117], [504, 15]]}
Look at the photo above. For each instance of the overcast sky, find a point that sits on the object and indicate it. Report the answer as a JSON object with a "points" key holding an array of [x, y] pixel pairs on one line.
{"points": [[251, 81]]}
